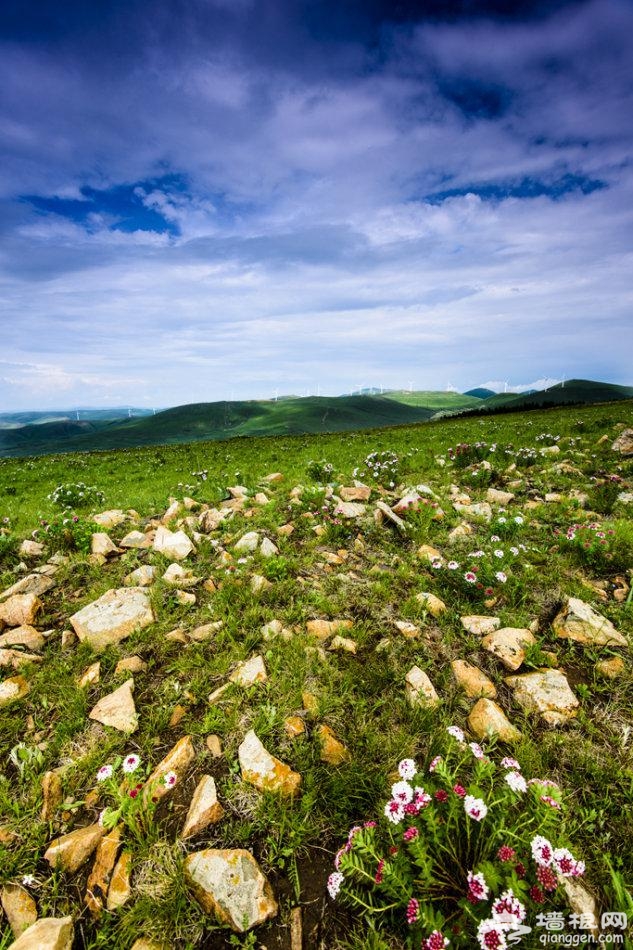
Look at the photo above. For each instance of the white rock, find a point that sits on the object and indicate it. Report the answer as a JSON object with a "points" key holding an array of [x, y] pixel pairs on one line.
{"points": [[173, 544], [580, 622], [546, 692], [419, 688], [117, 709], [250, 672], [48, 933], [265, 771], [231, 886], [267, 548], [247, 543], [113, 617], [204, 809]]}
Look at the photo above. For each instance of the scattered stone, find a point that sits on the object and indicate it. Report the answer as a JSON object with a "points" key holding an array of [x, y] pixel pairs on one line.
{"points": [[428, 553], [248, 543], [384, 511], [408, 502], [326, 628], [99, 879], [110, 519], [49, 933], [294, 726], [624, 443], [19, 907], [407, 629], [16, 687], [487, 719], [481, 510], [177, 760], [205, 631], [135, 539], [20, 610], [30, 548], [273, 478], [101, 543], [179, 577], [275, 628], [177, 716], [433, 604], [218, 693], [204, 809], [24, 636], [550, 450], [117, 709], [69, 638], [35, 584], [472, 680], [16, 659], [496, 497], [230, 885], [130, 664], [418, 688], [51, 794], [72, 850], [211, 519], [250, 672], [259, 583], [141, 577], [173, 544], [479, 625], [214, 745], [310, 702], [119, 891], [343, 644], [177, 635], [333, 752], [462, 530], [355, 493], [610, 669], [580, 622], [267, 548], [285, 530], [580, 900], [113, 617], [263, 770], [184, 598], [546, 692], [349, 509], [296, 929], [90, 676], [508, 644]]}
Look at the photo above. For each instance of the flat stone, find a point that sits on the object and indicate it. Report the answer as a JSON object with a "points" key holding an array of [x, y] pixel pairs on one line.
{"points": [[72, 850], [407, 629], [408, 502], [142, 577], [333, 752], [119, 891], [52, 795], [487, 719], [480, 511], [343, 644], [177, 760], [231, 886], [273, 478], [349, 509], [580, 622], [49, 933], [110, 519], [355, 492], [135, 539], [263, 770], [172, 544], [247, 544], [214, 745], [294, 726], [546, 692], [497, 497], [24, 636], [624, 443], [261, 498], [259, 583], [117, 709], [579, 899], [430, 602], [250, 672], [16, 687], [472, 680], [384, 511], [275, 628], [35, 584], [419, 689], [113, 617], [19, 907], [267, 548], [20, 610], [285, 530], [30, 548], [90, 676], [480, 625], [322, 629], [205, 631], [508, 644], [130, 664], [204, 809], [99, 879], [16, 659], [462, 530], [611, 669], [101, 543]]}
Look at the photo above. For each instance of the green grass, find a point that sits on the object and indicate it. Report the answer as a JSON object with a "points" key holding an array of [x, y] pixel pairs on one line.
{"points": [[360, 697]]}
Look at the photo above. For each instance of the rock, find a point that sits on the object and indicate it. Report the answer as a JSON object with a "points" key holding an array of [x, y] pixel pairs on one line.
{"points": [[101, 543], [496, 497], [173, 511], [24, 636], [480, 625], [172, 544], [326, 628], [230, 885], [130, 664], [508, 644], [333, 752], [19, 907], [263, 770], [113, 617], [624, 443], [487, 719], [261, 499], [90, 676], [218, 693], [408, 502], [250, 672], [49, 933], [407, 629], [35, 584], [349, 509], [343, 644], [273, 478], [51, 794], [462, 530], [144, 944], [610, 669], [285, 530], [119, 890], [30, 548], [428, 553], [69, 638], [267, 548], [117, 709], [211, 519], [72, 850], [205, 631], [179, 577], [418, 688], [550, 450], [135, 539], [579, 898], [177, 716], [99, 879], [247, 543], [214, 745], [275, 628], [355, 493], [20, 610], [580, 622], [204, 809], [259, 583], [472, 680], [177, 760], [384, 511], [110, 519], [481, 510], [16, 659], [16, 687], [546, 692], [433, 604], [294, 726]]}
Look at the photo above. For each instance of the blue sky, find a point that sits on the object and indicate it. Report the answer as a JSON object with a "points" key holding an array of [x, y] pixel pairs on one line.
{"points": [[226, 197]]}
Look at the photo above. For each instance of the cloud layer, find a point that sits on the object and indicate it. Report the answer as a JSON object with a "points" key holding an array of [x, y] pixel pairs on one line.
{"points": [[207, 199]]}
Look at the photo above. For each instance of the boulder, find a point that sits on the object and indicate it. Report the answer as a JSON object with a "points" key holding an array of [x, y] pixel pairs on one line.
{"points": [[135, 539], [30, 548], [508, 644], [231, 886], [547, 693], [19, 907], [16, 687], [472, 680], [263, 770], [172, 544], [419, 689], [113, 617], [267, 548], [384, 511], [20, 610], [49, 933], [624, 443], [72, 850], [487, 719], [497, 497], [479, 625], [110, 519], [117, 709], [119, 890], [204, 809], [355, 493], [580, 622]]}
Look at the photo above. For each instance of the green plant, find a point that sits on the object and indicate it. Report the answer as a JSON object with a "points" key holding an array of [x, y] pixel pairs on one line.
{"points": [[67, 533], [133, 800], [320, 471], [73, 495]]}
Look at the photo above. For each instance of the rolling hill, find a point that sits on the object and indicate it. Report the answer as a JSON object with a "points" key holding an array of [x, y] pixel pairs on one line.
{"points": [[572, 392], [428, 399]]}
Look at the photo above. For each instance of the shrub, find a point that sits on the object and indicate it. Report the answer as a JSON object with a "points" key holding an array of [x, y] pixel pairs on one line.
{"points": [[67, 532], [604, 495], [75, 495], [469, 453], [385, 468], [320, 471]]}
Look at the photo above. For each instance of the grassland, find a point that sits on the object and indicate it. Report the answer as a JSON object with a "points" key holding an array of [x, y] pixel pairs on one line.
{"points": [[357, 569]]}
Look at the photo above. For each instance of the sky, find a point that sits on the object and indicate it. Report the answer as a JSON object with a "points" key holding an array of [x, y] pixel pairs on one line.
{"points": [[210, 199]]}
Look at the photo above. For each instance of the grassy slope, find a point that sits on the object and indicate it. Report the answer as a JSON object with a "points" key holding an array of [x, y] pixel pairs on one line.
{"points": [[573, 391], [429, 399]]}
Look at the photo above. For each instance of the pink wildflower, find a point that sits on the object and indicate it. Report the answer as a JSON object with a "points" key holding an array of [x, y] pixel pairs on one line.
{"points": [[478, 890], [475, 808], [410, 834], [505, 853], [508, 905], [542, 851], [394, 811], [379, 871], [547, 878], [437, 941], [334, 882], [441, 795], [434, 763], [407, 768], [413, 909], [459, 790], [491, 935], [104, 773]]}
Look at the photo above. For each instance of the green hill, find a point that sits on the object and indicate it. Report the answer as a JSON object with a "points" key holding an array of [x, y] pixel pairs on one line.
{"points": [[572, 392], [429, 399], [480, 392]]}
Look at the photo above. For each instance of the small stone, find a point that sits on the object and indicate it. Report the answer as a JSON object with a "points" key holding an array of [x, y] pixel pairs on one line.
{"points": [[433, 604], [173, 544], [248, 543], [259, 583], [142, 577], [30, 548], [204, 809], [90, 676], [333, 752], [177, 760], [580, 900], [508, 644], [610, 669], [52, 795], [24, 636], [343, 644], [113, 617], [130, 664], [101, 543], [285, 530], [497, 497], [184, 598], [349, 509], [16, 687], [177, 716], [479, 625], [472, 680], [72, 850], [407, 629], [267, 548], [214, 745], [274, 628], [177, 635], [384, 511], [546, 692], [355, 493], [119, 891], [263, 770], [624, 443], [20, 610], [428, 553], [462, 530], [231, 886], [48, 933], [310, 702], [16, 659], [273, 478], [250, 672], [109, 519], [179, 577], [99, 879], [294, 726], [322, 629], [419, 689], [487, 719], [218, 693], [19, 907], [117, 709], [31, 584], [205, 631], [69, 638], [580, 622], [97, 560], [135, 539]]}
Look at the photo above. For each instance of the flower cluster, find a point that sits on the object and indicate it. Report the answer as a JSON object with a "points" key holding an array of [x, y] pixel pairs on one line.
{"points": [[469, 453], [484, 572], [591, 543], [133, 798], [382, 467], [76, 495], [320, 471]]}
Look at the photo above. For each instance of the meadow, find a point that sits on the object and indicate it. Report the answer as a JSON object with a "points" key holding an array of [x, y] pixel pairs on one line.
{"points": [[568, 520]]}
